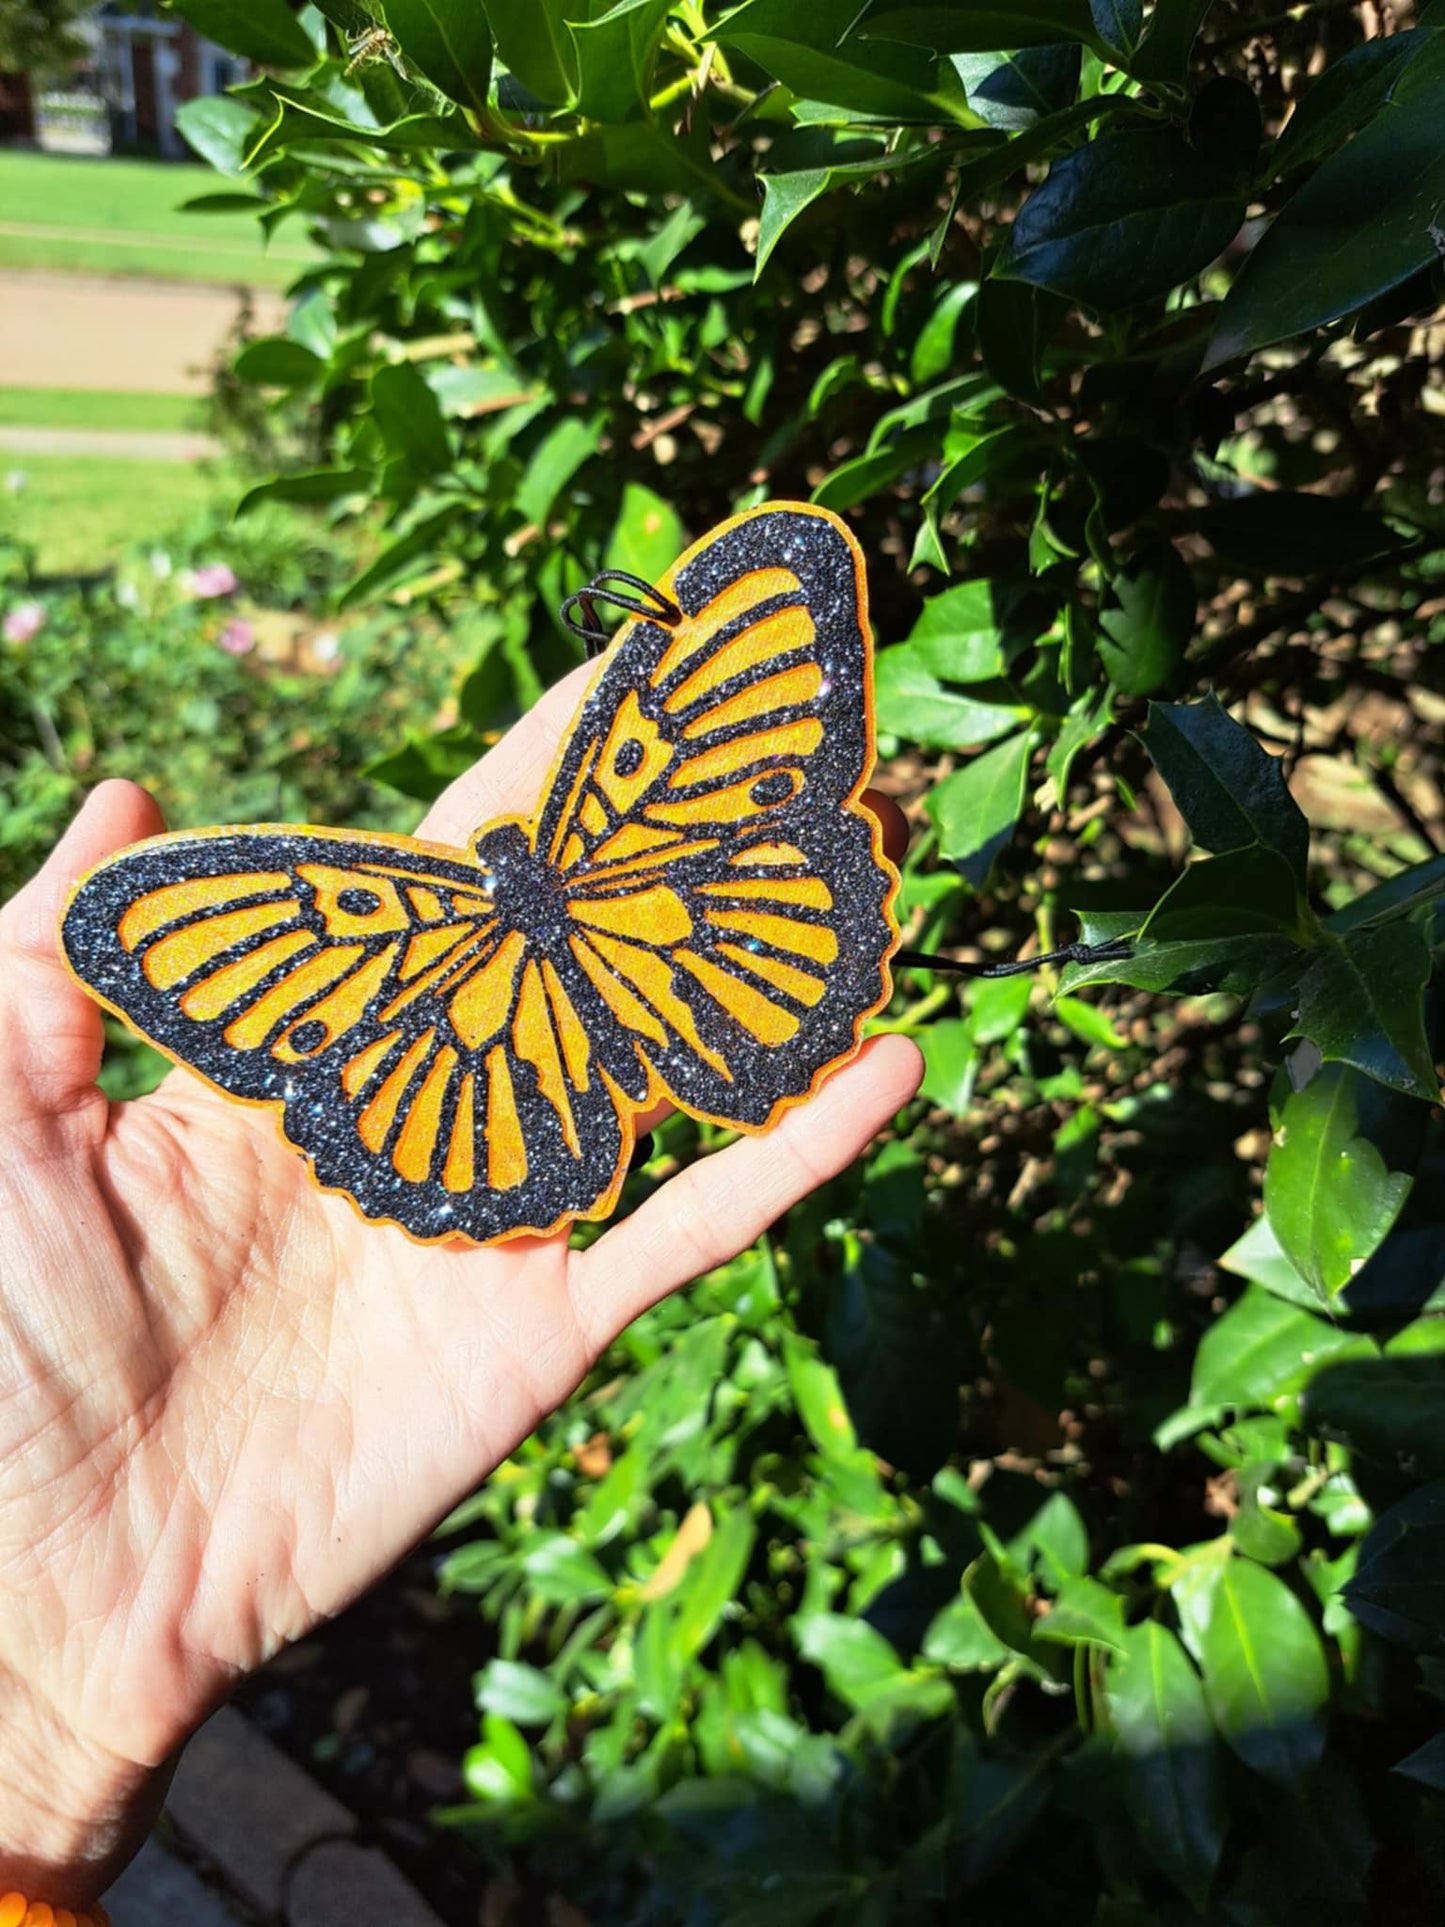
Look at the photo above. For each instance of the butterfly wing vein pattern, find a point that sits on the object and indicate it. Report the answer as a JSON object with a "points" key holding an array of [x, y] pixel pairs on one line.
{"points": [[460, 1041]]}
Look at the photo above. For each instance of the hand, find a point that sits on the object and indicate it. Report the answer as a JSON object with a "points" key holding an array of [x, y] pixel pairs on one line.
{"points": [[227, 1404]]}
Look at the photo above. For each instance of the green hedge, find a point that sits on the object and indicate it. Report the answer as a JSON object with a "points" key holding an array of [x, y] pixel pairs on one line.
{"points": [[1046, 1519]]}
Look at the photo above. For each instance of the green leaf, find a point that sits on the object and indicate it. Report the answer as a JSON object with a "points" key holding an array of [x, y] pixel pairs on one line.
{"points": [[1281, 532], [615, 52], [857, 1661], [912, 702], [950, 1063], [977, 809], [276, 362], [220, 129], [819, 1399], [1426, 1764], [1258, 1526], [1170, 1761], [714, 1579], [566, 446], [855, 480], [1244, 892], [958, 1637], [534, 43], [1389, 1410], [1262, 1350], [1361, 225], [1119, 24], [641, 159], [409, 418], [957, 634], [1419, 884], [1257, 1256], [265, 31], [1234, 963], [418, 541], [1398, 1588], [1350, 91], [1362, 1002], [980, 26], [499, 1771], [449, 42], [1228, 788], [522, 1693], [933, 346], [1165, 49], [806, 49], [1013, 91], [1089, 1024], [561, 1571], [1084, 1613], [1328, 1193], [1015, 322], [1146, 617], [1265, 1676], [1124, 219], [888, 1340], [308, 485], [424, 765], [647, 536]]}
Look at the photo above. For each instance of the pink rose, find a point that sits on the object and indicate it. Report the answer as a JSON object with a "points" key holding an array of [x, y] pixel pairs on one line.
{"points": [[238, 638], [214, 579], [24, 622]]}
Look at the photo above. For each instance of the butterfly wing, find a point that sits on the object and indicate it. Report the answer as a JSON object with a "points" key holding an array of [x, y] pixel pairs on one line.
{"points": [[729, 904], [426, 1058]]}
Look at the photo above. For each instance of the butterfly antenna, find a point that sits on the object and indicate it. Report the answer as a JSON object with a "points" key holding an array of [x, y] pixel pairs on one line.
{"points": [[1079, 953], [648, 602]]}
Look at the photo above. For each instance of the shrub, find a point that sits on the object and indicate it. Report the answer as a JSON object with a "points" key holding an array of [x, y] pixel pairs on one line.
{"points": [[1065, 1477]]}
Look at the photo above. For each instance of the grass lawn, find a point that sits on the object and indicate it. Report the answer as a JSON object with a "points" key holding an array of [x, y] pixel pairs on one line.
{"points": [[96, 408], [123, 217], [80, 511]]}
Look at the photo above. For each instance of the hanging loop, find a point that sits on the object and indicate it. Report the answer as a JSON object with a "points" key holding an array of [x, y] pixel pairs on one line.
{"points": [[648, 602], [1079, 953]]}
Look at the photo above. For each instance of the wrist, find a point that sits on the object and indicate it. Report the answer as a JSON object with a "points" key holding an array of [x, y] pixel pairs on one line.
{"points": [[72, 1815]]}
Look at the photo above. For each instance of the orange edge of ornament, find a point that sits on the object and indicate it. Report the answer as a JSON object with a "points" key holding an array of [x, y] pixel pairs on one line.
{"points": [[627, 1111]]}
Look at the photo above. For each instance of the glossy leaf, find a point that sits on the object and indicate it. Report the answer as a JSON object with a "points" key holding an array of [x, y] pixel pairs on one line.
{"points": [[1391, 1411], [533, 41], [1262, 1350], [1398, 1589], [1328, 1193], [957, 634], [522, 1693], [950, 1063], [1359, 226], [615, 51], [977, 808], [1362, 1002], [1119, 24], [220, 129], [406, 412], [1243, 892], [713, 1582], [912, 702], [451, 45], [1012, 91], [1146, 618], [1123, 219], [1084, 1612], [1164, 51], [1348, 93], [1228, 788], [1265, 1676], [806, 49], [276, 362], [265, 31], [1169, 1756], [982, 25]]}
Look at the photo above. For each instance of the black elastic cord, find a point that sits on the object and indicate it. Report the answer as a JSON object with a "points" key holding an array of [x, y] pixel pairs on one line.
{"points": [[654, 607], [1079, 953]]}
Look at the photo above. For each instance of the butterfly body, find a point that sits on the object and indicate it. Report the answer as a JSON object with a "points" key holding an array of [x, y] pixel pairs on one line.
{"points": [[461, 1040]]}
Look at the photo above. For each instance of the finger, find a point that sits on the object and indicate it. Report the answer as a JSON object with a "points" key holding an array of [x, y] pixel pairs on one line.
{"points": [[510, 777], [717, 1207], [891, 821], [50, 1031]]}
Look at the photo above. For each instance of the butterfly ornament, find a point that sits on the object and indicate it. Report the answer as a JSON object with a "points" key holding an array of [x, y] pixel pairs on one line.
{"points": [[699, 912]]}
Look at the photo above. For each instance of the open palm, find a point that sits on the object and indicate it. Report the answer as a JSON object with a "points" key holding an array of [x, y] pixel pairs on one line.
{"points": [[226, 1403]]}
